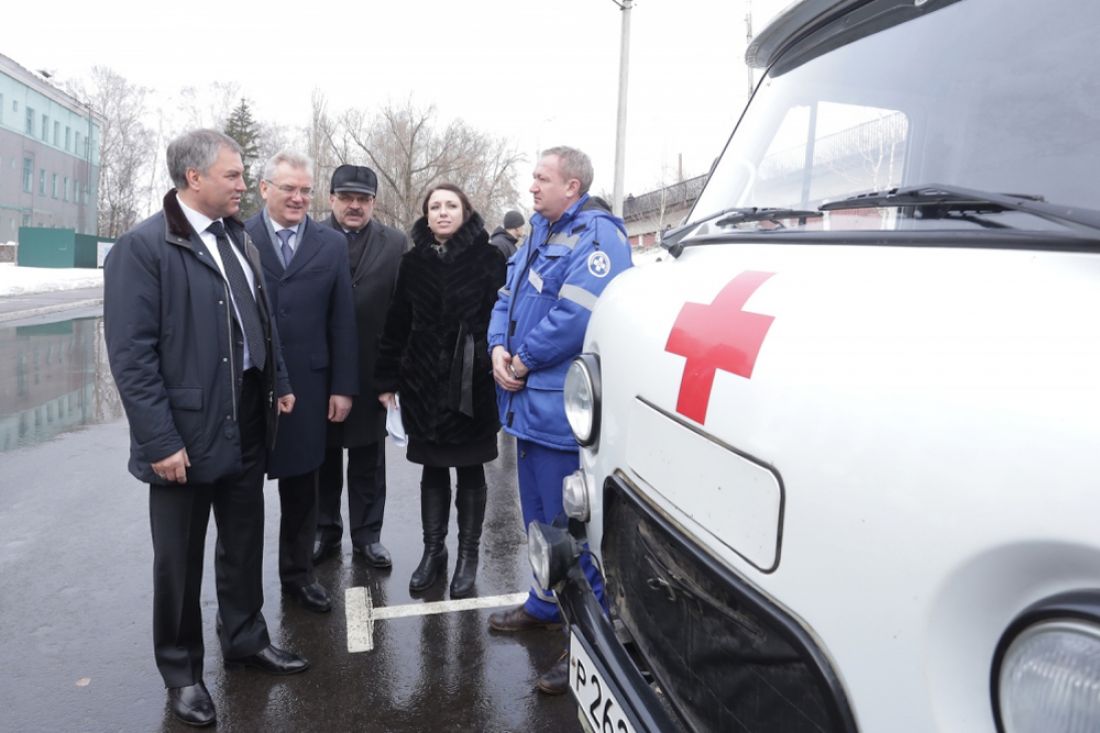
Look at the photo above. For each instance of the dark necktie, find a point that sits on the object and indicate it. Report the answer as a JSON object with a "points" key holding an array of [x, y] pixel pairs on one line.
{"points": [[243, 296], [284, 237]]}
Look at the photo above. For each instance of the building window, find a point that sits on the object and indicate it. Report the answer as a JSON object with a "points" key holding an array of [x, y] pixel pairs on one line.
{"points": [[68, 138], [42, 181], [57, 133], [76, 142], [53, 186], [30, 121], [28, 174], [45, 128], [65, 189]]}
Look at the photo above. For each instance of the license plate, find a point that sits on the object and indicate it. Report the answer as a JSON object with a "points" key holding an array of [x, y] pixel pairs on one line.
{"points": [[599, 710]]}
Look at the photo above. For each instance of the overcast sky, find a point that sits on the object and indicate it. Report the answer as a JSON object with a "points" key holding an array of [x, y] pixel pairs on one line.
{"points": [[539, 73]]}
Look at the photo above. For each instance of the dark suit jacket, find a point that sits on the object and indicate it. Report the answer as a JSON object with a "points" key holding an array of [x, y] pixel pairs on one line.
{"points": [[175, 349], [312, 303], [373, 279]]}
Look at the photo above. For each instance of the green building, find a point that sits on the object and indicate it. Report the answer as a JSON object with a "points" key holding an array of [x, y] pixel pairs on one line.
{"points": [[49, 155]]}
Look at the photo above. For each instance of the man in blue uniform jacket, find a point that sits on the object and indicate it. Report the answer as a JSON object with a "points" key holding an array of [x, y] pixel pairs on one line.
{"points": [[196, 357], [309, 285], [576, 246]]}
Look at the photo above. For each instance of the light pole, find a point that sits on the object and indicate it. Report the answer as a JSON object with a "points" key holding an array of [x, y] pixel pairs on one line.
{"points": [[620, 132]]}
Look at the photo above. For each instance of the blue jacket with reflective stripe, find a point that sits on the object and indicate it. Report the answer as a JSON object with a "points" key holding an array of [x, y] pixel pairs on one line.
{"points": [[543, 309]]}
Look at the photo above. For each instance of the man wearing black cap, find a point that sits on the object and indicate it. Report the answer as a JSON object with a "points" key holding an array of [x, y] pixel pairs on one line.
{"points": [[374, 252], [508, 234]]}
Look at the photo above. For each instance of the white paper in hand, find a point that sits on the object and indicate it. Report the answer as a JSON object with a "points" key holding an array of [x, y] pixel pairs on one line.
{"points": [[394, 426]]}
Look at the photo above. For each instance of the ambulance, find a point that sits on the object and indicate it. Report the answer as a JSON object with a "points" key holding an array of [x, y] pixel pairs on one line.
{"points": [[840, 461]]}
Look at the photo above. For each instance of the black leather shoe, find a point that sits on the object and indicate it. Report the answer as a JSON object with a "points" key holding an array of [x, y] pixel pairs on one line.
{"points": [[271, 660], [555, 681], [312, 597], [375, 554], [517, 619], [324, 549], [192, 704]]}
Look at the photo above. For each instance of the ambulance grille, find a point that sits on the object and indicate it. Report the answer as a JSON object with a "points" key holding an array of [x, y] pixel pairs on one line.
{"points": [[726, 658]]}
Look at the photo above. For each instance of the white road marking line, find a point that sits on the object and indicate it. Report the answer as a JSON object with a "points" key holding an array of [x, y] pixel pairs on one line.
{"points": [[361, 614], [359, 610], [466, 604]]}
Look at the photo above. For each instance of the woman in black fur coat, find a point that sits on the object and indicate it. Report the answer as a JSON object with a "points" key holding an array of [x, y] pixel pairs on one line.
{"points": [[434, 353]]}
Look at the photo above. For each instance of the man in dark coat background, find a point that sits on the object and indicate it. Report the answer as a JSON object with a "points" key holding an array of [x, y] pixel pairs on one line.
{"points": [[196, 358], [374, 253], [305, 265], [506, 236]]}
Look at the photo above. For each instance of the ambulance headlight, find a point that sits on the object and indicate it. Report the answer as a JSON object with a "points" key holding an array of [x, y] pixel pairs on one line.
{"points": [[574, 496], [582, 398], [551, 551], [1046, 676]]}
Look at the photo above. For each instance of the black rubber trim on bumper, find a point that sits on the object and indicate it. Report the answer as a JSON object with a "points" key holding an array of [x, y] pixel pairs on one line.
{"points": [[587, 620]]}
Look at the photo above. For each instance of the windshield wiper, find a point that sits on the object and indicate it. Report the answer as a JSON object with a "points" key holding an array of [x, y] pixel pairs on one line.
{"points": [[771, 214], [670, 240], [955, 198]]}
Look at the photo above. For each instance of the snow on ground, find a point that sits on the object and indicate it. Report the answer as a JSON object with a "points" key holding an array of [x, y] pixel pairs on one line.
{"points": [[15, 280]]}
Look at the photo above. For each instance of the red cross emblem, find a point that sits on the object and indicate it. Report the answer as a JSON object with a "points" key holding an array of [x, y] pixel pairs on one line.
{"points": [[717, 336]]}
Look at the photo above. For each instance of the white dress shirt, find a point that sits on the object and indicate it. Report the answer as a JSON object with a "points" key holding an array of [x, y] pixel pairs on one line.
{"points": [[199, 222]]}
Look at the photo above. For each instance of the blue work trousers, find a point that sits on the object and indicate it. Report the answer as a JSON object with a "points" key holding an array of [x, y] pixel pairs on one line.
{"points": [[541, 471]]}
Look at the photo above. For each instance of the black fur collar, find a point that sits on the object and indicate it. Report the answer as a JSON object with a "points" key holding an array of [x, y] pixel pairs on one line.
{"points": [[177, 220], [472, 232]]}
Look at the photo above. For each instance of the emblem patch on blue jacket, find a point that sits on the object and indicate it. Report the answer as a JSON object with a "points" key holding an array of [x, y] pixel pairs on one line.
{"points": [[599, 264]]}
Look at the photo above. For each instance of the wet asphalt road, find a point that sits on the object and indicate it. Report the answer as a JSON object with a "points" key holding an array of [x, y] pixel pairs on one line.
{"points": [[76, 592]]}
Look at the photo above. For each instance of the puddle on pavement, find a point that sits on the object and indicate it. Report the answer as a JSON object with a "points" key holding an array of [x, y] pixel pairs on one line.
{"points": [[54, 378]]}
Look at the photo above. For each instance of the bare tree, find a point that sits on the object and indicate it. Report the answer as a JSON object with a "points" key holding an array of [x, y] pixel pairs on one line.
{"points": [[410, 155], [125, 148], [209, 107], [328, 146]]}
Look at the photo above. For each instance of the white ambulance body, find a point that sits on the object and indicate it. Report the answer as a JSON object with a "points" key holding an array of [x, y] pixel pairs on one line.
{"points": [[841, 448]]}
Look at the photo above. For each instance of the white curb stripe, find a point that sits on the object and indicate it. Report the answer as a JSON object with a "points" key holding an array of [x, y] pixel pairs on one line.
{"points": [[361, 614]]}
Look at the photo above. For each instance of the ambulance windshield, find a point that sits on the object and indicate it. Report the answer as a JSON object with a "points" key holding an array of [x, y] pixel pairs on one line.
{"points": [[981, 95]]}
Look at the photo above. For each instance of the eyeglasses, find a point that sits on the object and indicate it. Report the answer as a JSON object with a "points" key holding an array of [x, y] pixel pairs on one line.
{"points": [[305, 191]]}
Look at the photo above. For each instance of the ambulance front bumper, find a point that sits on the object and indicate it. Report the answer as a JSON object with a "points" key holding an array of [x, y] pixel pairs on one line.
{"points": [[611, 692]]}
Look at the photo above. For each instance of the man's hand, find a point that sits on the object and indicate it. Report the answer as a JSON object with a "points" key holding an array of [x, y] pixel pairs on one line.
{"points": [[286, 404], [519, 369], [504, 371], [338, 407], [388, 400], [173, 468]]}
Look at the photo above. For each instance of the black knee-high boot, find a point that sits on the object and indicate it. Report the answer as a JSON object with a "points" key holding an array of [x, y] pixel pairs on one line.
{"points": [[435, 513], [470, 502]]}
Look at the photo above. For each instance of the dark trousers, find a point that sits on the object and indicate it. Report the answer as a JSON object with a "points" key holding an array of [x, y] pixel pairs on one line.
{"points": [[366, 493], [178, 517], [297, 522]]}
